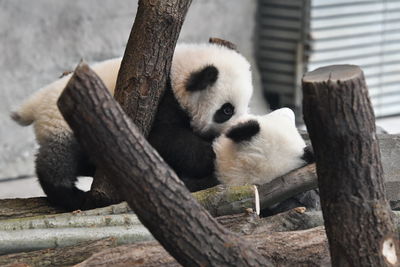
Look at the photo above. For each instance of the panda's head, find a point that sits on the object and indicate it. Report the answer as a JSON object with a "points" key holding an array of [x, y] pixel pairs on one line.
{"points": [[258, 149], [212, 83]]}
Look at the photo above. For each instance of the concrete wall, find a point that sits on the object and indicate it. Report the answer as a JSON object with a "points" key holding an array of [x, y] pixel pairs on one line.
{"points": [[41, 39]]}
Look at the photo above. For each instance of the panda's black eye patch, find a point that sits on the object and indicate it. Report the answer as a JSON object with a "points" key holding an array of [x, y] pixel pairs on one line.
{"points": [[201, 79], [224, 113], [243, 131]]}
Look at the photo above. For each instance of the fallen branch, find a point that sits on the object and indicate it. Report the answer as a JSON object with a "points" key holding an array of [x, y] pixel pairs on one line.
{"points": [[224, 200], [69, 220], [33, 239], [60, 256]]}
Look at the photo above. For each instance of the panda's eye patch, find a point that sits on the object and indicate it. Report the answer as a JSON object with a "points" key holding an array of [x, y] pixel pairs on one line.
{"points": [[224, 113]]}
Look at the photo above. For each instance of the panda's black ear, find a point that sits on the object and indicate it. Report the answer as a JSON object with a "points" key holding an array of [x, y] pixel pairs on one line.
{"points": [[201, 79], [243, 131]]}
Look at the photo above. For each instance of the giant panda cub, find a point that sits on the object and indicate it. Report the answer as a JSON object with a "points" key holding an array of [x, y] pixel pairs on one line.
{"points": [[210, 86], [258, 149]]}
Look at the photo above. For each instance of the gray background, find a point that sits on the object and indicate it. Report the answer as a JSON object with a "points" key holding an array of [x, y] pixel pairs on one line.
{"points": [[41, 39]]}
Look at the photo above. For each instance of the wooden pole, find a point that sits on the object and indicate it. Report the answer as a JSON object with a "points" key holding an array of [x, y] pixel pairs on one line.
{"points": [[341, 124], [158, 197]]}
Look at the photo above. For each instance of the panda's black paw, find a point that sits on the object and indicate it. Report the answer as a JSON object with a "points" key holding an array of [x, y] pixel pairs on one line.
{"points": [[308, 155]]}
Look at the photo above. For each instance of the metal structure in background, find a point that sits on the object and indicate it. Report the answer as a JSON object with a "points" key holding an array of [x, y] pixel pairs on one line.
{"points": [[295, 36]]}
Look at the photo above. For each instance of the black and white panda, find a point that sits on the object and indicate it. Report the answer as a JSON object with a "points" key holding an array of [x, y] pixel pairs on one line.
{"points": [[258, 149], [210, 86]]}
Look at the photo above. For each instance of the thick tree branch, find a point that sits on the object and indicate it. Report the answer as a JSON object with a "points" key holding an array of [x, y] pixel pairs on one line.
{"points": [[357, 217], [155, 193]]}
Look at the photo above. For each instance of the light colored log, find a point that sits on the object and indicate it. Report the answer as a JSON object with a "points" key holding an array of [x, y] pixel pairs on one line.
{"points": [[68, 220], [33, 239]]}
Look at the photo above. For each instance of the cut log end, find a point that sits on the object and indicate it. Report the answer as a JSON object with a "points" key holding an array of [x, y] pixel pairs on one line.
{"points": [[257, 200], [389, 251], [333, 73]]}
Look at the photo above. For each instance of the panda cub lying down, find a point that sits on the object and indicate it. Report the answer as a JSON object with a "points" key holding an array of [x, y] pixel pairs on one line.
{"points": [[258, 149]]}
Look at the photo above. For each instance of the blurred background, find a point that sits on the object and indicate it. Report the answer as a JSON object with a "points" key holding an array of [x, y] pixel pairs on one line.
{"points": [[282, 39]]}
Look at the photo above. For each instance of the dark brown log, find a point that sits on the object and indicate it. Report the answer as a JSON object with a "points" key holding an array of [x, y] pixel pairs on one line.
{"points": [[341, 124], [299, 248], [143, 74], [58, 256], [152, 189]]}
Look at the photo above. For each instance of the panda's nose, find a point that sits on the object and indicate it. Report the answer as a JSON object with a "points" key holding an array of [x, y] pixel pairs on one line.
{"points": [[308, 154]]}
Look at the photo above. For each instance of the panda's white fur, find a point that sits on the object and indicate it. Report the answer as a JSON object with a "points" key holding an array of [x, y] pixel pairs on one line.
{"points": [[274, 150], [41, 108]]}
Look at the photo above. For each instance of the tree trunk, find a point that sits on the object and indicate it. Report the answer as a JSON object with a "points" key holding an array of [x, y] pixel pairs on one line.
{"points": [[341, 124], [143, 74], [152, 189]]}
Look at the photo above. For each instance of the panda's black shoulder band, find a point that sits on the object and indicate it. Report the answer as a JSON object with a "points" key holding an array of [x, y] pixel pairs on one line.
{"points": [[243, 131]]}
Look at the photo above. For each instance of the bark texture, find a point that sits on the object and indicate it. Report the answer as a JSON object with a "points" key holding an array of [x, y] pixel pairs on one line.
{"points": [[147, 59], [143, 75], [341, 124], [152, 189]]}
